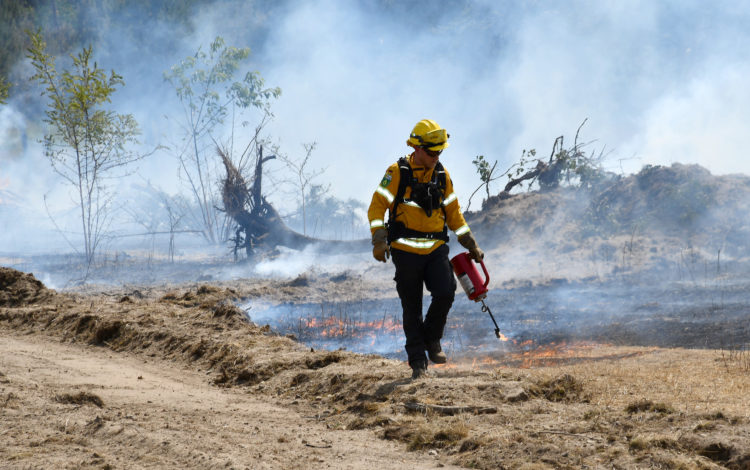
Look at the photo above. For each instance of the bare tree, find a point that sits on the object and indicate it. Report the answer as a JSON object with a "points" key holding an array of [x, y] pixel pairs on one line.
{"points": [[159, 213], [565, 166], [485, 174], [303, 177], [205, 85], [4, 89]]}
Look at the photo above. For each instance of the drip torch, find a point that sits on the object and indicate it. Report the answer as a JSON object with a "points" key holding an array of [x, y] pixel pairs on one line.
{"points": [[475, 288]]}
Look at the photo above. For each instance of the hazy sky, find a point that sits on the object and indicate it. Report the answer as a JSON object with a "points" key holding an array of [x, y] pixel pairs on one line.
{"points": [[659, 82]]}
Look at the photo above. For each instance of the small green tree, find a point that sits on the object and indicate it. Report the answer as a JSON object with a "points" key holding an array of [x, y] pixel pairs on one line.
{"points": [[4, 89], [86, 144], [206, 87], [485, 175]]}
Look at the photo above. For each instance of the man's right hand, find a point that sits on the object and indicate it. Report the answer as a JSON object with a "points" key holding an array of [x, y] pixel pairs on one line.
{"points": [[380, 250]]}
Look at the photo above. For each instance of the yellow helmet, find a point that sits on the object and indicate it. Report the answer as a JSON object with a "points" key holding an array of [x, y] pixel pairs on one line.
{"points": [[428, 134]]}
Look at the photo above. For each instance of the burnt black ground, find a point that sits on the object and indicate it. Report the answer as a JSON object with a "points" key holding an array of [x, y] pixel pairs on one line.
{"points": [[712, 313]]}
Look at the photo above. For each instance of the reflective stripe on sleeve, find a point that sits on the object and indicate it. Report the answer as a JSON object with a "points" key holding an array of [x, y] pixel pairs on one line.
{"points": [[385, 193], [450, 199], [417, 242], [462, 229], [377, 223]]}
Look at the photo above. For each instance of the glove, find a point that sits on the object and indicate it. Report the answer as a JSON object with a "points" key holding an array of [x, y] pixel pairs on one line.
{"points": [[468, 241], [380, 250]]}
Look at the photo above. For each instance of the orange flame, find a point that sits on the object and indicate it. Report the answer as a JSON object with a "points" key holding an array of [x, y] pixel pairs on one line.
{"points": [[332, 327]]}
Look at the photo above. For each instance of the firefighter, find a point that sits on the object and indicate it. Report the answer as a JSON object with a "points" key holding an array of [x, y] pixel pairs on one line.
{"points": [[422, 206]]}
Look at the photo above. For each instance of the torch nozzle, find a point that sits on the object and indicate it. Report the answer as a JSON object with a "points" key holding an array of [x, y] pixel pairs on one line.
{"points": [[485, 308]]}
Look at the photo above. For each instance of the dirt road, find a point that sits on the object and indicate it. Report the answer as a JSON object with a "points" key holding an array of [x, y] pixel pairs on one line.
{"points": [[156, 415]]}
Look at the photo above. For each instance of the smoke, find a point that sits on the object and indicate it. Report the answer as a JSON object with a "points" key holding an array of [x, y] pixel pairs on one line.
{"points": [[505, 77], [700, 122], [658, 81]]}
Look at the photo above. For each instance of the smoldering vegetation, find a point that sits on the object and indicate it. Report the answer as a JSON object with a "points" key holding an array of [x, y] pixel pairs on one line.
{"points": [[587, 282], [602, 407], [658, 258]]}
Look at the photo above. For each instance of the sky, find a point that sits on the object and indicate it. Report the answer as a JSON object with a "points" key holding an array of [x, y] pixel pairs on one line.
{"points": [[657, 82]]}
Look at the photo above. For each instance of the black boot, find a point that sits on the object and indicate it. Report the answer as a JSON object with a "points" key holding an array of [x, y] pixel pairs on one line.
{"points": [[436, 352], [418, 369]]}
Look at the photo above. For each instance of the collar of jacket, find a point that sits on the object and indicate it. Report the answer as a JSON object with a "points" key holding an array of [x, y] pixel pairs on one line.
{"points": [[421, 173]]}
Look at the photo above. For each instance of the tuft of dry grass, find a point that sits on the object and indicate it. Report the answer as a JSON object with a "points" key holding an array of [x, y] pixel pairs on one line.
{"points": [[438, 434], [80, 398], [364, 408], [564, 388], [647, 405], [736, 357]]}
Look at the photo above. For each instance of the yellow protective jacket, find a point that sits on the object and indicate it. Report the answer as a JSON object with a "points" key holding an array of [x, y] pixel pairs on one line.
{"points": [[413, 216]]}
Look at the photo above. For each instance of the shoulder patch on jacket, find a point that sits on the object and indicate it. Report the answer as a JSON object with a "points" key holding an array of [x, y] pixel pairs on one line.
{"points": [[386, 180]]}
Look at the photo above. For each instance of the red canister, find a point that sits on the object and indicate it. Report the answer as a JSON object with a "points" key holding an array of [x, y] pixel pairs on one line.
{"points": [[469, 278]]}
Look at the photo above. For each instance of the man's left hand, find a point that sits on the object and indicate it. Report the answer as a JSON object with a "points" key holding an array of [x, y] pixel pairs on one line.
{"points": [[468, 241]]}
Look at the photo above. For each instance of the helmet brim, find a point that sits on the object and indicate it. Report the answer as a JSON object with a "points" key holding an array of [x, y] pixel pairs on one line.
{"points": [[414, 143], [437, 147]]}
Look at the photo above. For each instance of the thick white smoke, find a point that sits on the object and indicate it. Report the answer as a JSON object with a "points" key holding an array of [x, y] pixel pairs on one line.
{"points": [[658, 81]]}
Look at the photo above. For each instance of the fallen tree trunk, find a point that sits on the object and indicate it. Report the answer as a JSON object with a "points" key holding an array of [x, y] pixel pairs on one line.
{"points": [[259, 224]]}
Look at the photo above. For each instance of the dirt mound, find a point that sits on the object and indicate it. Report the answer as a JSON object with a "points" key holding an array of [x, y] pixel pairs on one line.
{"points": [[680, 200], [645, 223], [18, 289]]}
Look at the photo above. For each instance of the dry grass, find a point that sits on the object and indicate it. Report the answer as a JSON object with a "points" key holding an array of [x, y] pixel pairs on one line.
{"points": [[438, 434], [622, 407], [80, 398], [688, 381]]}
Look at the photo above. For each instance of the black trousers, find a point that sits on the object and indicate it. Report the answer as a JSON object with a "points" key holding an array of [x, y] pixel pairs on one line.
{"points": [[435, 272]]}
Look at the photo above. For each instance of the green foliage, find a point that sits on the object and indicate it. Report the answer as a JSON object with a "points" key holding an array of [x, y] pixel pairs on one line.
{"points": [[485, 175], [205, 85], [571, 167], [672, 198], [85, 143], [483, 168], [520, 167], [68, 23], [682, 195], [4, 88]]}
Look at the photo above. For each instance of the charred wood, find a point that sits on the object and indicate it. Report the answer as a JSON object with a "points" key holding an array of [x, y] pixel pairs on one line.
{"points": [[259, 224]]}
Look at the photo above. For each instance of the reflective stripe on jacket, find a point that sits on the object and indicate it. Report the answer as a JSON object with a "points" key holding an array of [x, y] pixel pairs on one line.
{"points": [[411, 214]]}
